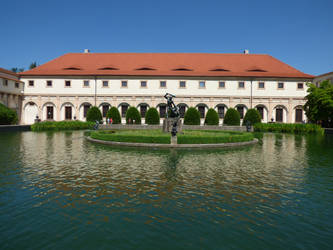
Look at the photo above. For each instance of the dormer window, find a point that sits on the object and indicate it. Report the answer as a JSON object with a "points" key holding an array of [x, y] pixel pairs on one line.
{"points": [[182, 69], [145, 68], [108, 68], [256, 69], [219, 69], [72, 68]]}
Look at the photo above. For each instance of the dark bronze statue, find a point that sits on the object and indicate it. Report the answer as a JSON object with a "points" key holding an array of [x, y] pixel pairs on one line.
{"points": [[174, 112]]}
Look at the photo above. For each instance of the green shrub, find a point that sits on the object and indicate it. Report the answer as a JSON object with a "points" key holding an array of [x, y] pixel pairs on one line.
{"points": [[253, 116], [114, 114], [134, 136], [232, 117], [152, 116], [192, 117], [7, 115], [209, 137], [62, 125], [132, 115], [94, 114], [288, 128], [212, 118]]}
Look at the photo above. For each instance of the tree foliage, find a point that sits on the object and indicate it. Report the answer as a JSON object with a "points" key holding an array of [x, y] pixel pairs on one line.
{"points": [[212, 118], [232, 117], [113, 113], [252, 116], [319, 103], [7, 115], [152, 116], [133, 116], [33, 65], [94, 114], [192, 117]]}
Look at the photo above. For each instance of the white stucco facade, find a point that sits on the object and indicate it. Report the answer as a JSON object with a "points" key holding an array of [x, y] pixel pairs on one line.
{"points": [[11, 91]]}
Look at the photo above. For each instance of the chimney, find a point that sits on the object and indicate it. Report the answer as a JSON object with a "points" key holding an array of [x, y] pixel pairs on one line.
{"points": [[86, 51], [246, 52]]}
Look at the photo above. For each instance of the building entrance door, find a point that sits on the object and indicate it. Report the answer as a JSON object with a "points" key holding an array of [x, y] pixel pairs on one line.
{"points": [[49, 112], [68, 113], [299, 115], [279, 115]]}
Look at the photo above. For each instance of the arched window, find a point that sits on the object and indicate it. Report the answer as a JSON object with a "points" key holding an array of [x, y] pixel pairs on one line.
{"points": [[123, 108], [221, 110]]}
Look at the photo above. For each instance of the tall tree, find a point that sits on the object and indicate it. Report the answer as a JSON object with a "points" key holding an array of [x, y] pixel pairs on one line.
{"points": [[319, 103], [14, 70], [33, 65]]}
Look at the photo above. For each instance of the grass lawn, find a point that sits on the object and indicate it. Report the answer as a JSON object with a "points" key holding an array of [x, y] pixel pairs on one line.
{"points": [[157, 136]]}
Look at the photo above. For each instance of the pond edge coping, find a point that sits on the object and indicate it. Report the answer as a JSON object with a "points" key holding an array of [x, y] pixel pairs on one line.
{"points": [[158, 145]]}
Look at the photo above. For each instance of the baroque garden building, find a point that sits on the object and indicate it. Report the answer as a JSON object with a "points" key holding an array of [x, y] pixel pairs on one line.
{"points": [[11, 90], [65, 88]]}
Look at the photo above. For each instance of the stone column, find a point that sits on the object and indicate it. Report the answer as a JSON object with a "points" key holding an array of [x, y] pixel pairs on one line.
{"points": [[270, 110], [290, 110]]}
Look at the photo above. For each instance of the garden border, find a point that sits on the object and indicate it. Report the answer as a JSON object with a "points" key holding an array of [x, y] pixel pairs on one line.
{"points": [[157, 145]]}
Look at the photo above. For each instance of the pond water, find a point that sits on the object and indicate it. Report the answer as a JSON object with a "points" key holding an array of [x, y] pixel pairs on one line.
{"points": [[59, 191]]}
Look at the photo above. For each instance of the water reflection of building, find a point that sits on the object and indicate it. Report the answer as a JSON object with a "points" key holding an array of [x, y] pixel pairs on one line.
{"points": [[65, 163]]}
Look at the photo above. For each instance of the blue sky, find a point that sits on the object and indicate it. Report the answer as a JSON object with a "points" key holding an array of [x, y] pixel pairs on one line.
{"points": [[299, 33]]}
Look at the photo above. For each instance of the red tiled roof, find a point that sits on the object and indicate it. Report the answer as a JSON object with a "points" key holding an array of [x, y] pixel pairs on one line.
{"points": [[8, 72], [167, 64]]}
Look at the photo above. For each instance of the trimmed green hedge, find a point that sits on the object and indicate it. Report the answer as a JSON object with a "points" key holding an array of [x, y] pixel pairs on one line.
{"points": [[212, 118], [209, 137], [152, 117], [253, 116], [132, 115], [94, 114], [288, 128], [113, 113], [157, 136], [135, 136], [232, 117], [7, 115], [62, 125], [192, 117]]}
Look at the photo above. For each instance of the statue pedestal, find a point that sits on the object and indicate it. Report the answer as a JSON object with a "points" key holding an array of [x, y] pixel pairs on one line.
{"points": [[173, 140], [167, 125]]}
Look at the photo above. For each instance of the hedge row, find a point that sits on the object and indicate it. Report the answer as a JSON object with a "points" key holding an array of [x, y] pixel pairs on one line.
{"points": [[192, 117], [7, 115], [114, 114], [152, 117], [231, 118], [252, 116], [62, 125], [94, 114], [133, 116], [135, 136], [288, 128], [209, 137]]}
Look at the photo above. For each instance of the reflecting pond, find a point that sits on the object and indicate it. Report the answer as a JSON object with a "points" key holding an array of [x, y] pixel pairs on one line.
{"points": [[59, 191]]}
